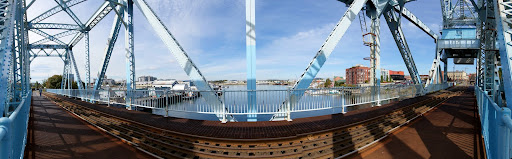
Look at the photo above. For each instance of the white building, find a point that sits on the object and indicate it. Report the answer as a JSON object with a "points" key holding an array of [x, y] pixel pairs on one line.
{"points": [[146, 78], [385, 75], [164, 84], [458, 75]]}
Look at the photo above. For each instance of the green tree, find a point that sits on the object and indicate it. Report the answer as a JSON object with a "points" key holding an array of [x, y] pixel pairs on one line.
{"points": [[327, 83], [36, 85], [53, 82]]}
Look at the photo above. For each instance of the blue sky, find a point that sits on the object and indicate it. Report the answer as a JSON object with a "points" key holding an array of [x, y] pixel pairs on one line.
{"points": [[212, 32]]}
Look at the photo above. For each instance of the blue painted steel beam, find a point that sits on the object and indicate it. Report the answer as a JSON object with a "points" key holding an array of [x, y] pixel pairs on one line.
{"points": [[433, 73], [68, 10], [322, 55], [6, 48], [375, 71], [130, 55], [416, 21], [53, 26], [396, 30], [47, 36], [55, 10], [87, 63], [56, 37], [102, 11], [250, 29], [116, 26], [505, 45], [184, 60], [47, 46], [77, 73]]}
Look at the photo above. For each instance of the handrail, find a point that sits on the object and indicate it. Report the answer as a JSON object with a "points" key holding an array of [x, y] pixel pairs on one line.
{"points": [[268, 101], [496, 125], [13, 130]]}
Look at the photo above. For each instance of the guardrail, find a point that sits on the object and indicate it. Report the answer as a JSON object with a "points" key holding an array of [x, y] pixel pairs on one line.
{"points": [[235, 101], [13, 130], [496, 126]]}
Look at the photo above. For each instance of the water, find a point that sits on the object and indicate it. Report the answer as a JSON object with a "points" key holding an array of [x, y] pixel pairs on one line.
{"points": [[236, 102]]}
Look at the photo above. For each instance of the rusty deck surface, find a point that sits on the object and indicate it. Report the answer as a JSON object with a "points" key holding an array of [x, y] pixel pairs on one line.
{"points": [[450, 131], [55, 133], [251, 130]]}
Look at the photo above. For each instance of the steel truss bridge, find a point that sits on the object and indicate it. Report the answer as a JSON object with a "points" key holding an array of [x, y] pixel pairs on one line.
{"points": [[472, 29]]}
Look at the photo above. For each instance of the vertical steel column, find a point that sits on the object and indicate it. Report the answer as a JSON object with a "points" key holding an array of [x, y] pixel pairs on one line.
{"points": [[183, 59], [77, 74], [87, 63], [130, 56], [491, 76], [322, 55], [505, 39], [375, 56], [63, 79], [396, 31], [250, 28], [6, 44], [116, 26]]}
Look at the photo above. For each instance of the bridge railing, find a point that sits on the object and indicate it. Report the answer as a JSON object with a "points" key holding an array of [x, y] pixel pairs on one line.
{"points": [[13, 130], [496, 125], [164, 101]]}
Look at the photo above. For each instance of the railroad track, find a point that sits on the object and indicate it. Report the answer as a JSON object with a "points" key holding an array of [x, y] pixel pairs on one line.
{"points": [[331, 143]]}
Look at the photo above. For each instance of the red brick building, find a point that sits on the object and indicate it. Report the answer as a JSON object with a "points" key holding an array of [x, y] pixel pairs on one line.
{"points": [[357, 74]]}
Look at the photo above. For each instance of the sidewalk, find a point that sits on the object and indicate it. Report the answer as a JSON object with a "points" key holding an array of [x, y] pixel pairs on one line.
{"points": [[55, 133]]}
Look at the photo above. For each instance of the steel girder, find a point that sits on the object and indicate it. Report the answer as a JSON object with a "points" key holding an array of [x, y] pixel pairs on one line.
{"points": [[116, 26], [77, 74], [130, 56], [48, 36], [20, 55], [7, 14], [56, 37], [47, 46], [44, 53], [398, 35], [503, 14], [250, 45], [491, 77], [64, 71], [449, 10], [414, 20], [55, 10], [68, 10], [87, 62], [321, 56], [375, 72], [53, 26], [183, 59], [102, 11], [434, 70]]}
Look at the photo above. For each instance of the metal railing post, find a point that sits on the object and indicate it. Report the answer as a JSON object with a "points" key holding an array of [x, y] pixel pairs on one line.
{"points": [[288, 105], [399, 92], [378, 95], [343, 109], [224, 120], [167, 102], [108, 97], [6, 144], [503, 134]]}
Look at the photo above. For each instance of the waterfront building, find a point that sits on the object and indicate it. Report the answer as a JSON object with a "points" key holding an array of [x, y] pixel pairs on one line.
{"points": [[358, 74], [457, 75], [146, 79]]}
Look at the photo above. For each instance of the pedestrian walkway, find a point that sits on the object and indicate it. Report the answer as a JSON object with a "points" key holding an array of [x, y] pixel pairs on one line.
{"points": [[55, 133], [450, 131]]}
